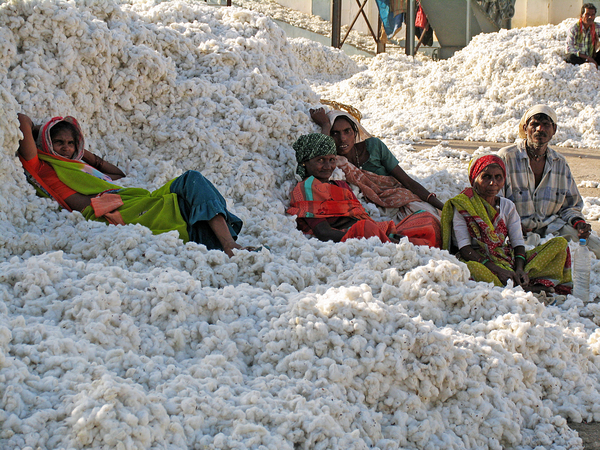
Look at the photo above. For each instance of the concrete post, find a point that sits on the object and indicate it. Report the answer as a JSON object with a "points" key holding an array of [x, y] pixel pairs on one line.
{"points": [[468, 24]]}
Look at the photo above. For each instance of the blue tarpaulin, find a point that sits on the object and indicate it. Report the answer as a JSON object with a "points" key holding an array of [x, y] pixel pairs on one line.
{"points": [[392, 14]]}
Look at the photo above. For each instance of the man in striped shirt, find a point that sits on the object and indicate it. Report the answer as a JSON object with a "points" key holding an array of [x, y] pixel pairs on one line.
{"points": [[540, 183], [583, 38]]}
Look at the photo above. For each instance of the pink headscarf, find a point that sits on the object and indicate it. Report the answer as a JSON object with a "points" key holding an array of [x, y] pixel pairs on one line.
{"points": [[478, 165], [44, 142]]}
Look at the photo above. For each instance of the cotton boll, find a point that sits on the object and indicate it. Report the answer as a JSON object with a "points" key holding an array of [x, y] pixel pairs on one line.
{"points": [[112, 336], [473, 100]]}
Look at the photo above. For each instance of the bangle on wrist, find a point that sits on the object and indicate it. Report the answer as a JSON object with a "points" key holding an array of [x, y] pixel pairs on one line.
{"points": [[431, 195], [522, 257], [578, 222], [486, 260]]}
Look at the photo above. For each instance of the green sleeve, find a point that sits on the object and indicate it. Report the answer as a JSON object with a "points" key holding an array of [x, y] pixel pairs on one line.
{"points": [[381, 160]]}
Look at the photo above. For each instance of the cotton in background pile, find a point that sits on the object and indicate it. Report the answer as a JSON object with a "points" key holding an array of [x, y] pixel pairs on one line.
{"points": [[111, 337]]}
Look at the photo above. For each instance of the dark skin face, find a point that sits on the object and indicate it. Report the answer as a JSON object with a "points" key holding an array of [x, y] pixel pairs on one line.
{"points": [[63, 143], [587, 18], [321, 167], [540, 130], [489, 182], [344, 136]]}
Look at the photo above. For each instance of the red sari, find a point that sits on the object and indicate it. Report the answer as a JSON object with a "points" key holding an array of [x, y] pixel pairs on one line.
{"points": [[312, 199]]}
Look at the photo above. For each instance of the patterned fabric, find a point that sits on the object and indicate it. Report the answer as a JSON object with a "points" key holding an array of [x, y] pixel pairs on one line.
{"points": [[421, 228], [556, 199], [156, 210], [484, 224], [548, 264], [45, 143], [314, 199], [45, 183], [310, 146], [582, 40], [382, 190], [43, 178], [478, 165]]}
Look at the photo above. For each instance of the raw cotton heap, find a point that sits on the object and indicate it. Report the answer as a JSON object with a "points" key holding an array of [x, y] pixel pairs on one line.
{"points": [[481, 93], [111, 337]]}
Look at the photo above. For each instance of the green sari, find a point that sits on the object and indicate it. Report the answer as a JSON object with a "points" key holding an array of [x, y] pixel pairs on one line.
{"points": [[548, 264], [157, 210]]}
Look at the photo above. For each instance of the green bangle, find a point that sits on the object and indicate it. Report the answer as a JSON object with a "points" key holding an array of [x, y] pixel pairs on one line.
{"points": [[521, 256], [486, 260]]}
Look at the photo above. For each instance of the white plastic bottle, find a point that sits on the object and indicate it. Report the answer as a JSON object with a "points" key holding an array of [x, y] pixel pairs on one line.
{"points": [[582, 266]]}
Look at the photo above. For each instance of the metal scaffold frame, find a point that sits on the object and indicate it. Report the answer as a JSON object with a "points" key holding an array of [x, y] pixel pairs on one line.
{"points": [[379, 36], [336, 25], [455, 22]]}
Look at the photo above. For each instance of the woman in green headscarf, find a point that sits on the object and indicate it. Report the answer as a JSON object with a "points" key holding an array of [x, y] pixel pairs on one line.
{"points": [[328, 209]]}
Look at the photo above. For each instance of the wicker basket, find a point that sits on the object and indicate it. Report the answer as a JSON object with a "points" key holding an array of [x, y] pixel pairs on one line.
{"points": [[340, 106]]}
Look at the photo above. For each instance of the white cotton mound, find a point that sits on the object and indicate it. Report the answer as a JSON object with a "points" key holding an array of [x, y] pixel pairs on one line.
{"points": [[323, 63], [113, 338], [481, 92]]}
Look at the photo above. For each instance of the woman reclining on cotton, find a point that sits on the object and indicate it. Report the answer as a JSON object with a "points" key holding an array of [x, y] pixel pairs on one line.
{"points": [[369, 164], [59, 167], [329, 210]]}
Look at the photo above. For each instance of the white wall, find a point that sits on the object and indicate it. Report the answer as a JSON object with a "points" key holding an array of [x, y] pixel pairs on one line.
{"points": [[304, 6], [529, 13], [349, 10]]}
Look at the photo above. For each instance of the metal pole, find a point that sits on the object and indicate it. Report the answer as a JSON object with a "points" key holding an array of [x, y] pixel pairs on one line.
{"points": [[411, 10], [336, 23], [468, 36], [425, 30]]}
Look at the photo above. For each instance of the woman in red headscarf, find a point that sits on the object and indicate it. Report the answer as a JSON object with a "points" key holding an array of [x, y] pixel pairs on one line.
{"points": [[486, 229]]}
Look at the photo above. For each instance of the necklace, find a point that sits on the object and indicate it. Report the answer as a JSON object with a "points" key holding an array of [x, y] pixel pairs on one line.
{"points": [[356, 157], [531, 153]]}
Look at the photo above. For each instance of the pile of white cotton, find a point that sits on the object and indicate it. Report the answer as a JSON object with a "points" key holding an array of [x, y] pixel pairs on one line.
{"points": [[111, 337], [481, 92]]}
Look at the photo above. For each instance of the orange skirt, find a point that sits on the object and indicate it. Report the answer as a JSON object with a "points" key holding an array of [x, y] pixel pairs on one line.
{"points": [[421, 228]]}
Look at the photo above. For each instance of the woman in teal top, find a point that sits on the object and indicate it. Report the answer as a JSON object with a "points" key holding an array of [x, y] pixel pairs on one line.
{"points": [[367, 152]]}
